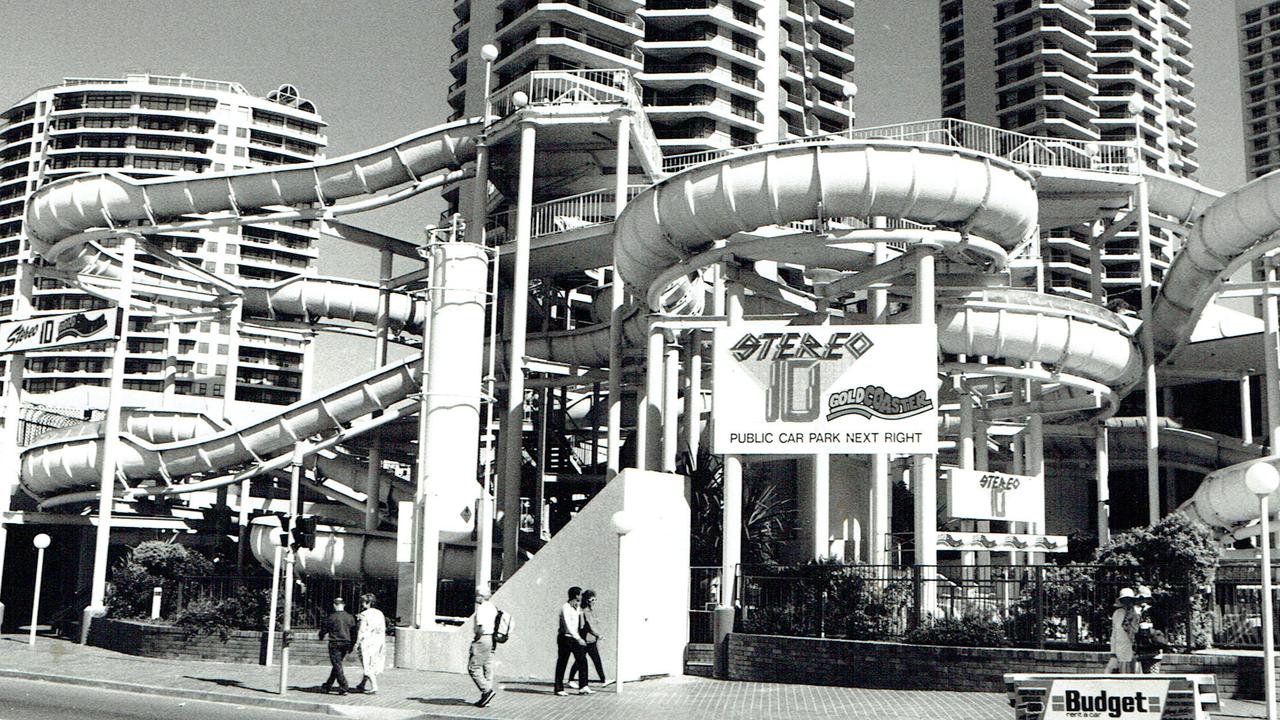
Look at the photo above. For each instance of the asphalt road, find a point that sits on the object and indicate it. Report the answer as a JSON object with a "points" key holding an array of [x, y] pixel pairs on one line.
{"points": [[32, 700]]}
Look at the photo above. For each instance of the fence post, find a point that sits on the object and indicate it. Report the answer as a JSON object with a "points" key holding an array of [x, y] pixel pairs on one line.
{"points": [[917, 593], [822, 615], [1040, 606]]}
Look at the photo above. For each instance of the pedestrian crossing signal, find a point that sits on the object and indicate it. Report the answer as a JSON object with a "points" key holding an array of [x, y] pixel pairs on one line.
{"points": [[304, 533]]}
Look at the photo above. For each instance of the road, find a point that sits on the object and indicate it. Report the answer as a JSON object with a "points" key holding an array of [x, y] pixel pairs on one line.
{"points": [[32, 700]]}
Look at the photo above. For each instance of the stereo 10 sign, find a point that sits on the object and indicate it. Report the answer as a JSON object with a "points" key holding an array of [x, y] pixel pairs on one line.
{"points": [[845, 389]]}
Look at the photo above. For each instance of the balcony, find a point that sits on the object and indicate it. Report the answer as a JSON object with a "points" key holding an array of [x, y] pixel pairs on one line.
{"points": [[611, 24]]}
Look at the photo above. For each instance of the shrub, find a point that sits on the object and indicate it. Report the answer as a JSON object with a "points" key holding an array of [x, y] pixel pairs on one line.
{"points": [[150, 564], [825, 597], [970, 630]]}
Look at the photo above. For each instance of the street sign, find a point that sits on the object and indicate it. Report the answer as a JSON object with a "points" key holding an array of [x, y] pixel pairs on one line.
{"points": [[844, 389], [985, 495], [59, 330]]}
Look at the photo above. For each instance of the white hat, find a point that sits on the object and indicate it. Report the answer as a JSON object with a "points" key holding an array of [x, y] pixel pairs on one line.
{"points": [[1126, 594], [1144, 592]]}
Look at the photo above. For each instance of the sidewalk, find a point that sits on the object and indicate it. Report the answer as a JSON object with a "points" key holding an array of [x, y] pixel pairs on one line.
{"points": [[409, 693]]}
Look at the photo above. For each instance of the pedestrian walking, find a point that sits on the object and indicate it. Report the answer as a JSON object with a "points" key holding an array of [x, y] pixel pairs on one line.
{"points": [[1124, 625], [480, 659], [371, 641], [1149, 643], [569, 643], [337, 627], [586, 607]]}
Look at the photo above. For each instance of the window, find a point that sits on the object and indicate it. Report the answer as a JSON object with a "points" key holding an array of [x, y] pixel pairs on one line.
{"points": [[202, 105], [107, 121], [220, 149], [204, 327], [222, 129], [163, 102], [202, 348], [108, 100], [240, 152], [223, 349], [242, 133]]}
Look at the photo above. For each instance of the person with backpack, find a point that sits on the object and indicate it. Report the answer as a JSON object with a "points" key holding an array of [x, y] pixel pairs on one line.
{"points": [[483, 644], [589, 633]]}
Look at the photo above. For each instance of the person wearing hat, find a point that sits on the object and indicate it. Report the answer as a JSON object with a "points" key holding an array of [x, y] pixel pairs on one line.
{"points": [[1124, 625], [1149, 643]]}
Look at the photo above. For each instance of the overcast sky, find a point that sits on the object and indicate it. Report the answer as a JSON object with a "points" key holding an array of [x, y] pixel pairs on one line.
{"points": [[376, 71]]}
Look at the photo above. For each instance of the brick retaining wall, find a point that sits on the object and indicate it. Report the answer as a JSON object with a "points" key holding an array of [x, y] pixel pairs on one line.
{"points": [[242, 646], [856, 663]]}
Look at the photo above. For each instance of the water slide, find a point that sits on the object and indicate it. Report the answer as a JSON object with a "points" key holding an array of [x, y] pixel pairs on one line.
{"points": [[666, 233]]}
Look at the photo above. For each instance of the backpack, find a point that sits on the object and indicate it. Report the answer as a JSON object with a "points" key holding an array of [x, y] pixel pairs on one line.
{"points": [[502, 627]]}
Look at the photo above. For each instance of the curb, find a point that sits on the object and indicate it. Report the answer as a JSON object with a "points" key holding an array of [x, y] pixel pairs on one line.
{"points": [[205, 695]]}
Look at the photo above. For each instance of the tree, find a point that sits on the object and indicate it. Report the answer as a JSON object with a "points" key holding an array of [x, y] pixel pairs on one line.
{"points": [[150, 564]]}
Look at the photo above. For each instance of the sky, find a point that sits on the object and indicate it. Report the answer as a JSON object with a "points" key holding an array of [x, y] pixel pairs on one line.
{"points": [[377, 71]]}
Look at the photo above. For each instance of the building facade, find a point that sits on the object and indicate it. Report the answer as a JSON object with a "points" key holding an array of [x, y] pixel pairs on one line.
{"points": [[1258, 25], [1110, 70], [147, 126], [714, 73]]}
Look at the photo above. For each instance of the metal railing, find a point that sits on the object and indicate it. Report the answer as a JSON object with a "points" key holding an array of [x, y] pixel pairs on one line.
{"points": [[588, 209], [1031, 150], [1021, 605]]}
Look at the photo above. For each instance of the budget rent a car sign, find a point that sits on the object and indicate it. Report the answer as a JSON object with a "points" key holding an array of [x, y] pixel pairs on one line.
{"points": [[847, 389]]}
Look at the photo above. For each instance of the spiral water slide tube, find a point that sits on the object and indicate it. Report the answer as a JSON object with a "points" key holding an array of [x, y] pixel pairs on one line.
{"points": [[1234, 230], [674, 227]]}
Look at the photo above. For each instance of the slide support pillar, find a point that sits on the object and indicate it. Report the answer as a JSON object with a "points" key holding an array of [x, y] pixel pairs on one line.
{"points": [[1102, 461], [110, 442], [730, 526], [512, 441], [1148, 358], [617, 296], [925, 483], [881, 490]]}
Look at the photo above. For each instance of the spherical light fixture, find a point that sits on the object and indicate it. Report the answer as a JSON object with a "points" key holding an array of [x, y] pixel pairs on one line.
{"points": [[624, 522], [850, 89], [1262, 479], [41, 541], [520, 98], [489, 52]]}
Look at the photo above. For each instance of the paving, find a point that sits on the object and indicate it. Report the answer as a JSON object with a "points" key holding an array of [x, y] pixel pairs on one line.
{"points": [[414, 694]]}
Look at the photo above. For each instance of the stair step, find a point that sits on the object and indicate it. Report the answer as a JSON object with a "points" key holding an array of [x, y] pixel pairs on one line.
{"points": [[699, 669]]}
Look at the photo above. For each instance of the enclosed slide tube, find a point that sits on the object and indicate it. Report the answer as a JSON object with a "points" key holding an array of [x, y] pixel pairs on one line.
{"points": [[1232, 230], [685, 215]]}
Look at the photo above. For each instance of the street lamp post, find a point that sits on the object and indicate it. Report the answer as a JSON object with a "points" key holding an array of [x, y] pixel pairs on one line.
{"points": [[1262, 479], [623, 523], [850, 91], [41, 542]]}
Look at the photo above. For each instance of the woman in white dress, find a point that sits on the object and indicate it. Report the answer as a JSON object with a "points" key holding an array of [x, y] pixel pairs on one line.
{"points": [[371, 641]]}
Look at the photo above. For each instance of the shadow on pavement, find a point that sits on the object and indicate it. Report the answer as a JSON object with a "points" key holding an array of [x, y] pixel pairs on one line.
{"points": [[442, 701], [226, 682]]}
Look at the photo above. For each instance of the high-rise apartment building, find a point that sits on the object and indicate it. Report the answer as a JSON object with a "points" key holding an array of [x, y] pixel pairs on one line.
{"points": [[715, 73], [147, 126], [1259, 31], [1109, 70]]}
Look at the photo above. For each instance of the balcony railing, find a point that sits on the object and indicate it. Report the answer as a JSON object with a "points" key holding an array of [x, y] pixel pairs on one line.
{"points": [[593, 8], [1118, 157], [584, 210]]}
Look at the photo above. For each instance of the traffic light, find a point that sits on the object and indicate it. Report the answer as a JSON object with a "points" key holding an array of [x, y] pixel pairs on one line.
{"points": [[304, 532]]}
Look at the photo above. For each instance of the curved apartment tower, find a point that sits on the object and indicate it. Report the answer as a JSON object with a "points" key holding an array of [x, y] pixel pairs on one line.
{"points": [[714, 73], [147, 126], [1110, 70]]}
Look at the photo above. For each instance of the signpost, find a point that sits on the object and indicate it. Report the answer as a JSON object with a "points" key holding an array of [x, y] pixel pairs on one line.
{"points": [[839, 389]]}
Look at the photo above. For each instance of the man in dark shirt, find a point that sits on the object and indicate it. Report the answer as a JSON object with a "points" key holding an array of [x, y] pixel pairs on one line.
{"points": [[339, 627]]}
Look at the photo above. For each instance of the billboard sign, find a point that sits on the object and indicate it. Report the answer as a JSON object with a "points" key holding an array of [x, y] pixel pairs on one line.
{"points": [[1086, 699], [844, 389], [60, 330], [986, 495]]}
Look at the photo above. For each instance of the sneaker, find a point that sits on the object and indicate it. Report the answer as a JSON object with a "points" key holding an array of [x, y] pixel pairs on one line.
{"points": [[606, 683], [586, 691], [486, 698], [342, 692], [562, 693]]}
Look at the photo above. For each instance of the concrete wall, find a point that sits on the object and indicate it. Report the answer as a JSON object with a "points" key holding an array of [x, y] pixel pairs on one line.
{"points": [[855, 663], [654, 598]]}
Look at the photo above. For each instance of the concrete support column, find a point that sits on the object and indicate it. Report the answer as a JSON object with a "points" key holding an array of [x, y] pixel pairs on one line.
{"points": [[1148, 361], [512, 441], [12, 441], [925, 481], [1246, 410], [965, 457], [1271, 354], [1102, 461], [372, 489], [693, 394], [613, 440], [671, 407], [110, 442], [881, 499], [731, 524], [818, 482], [450, 435], [649, 419]]}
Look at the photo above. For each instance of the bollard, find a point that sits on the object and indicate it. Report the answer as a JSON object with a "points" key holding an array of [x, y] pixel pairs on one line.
{"points": [[155, 602]]}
